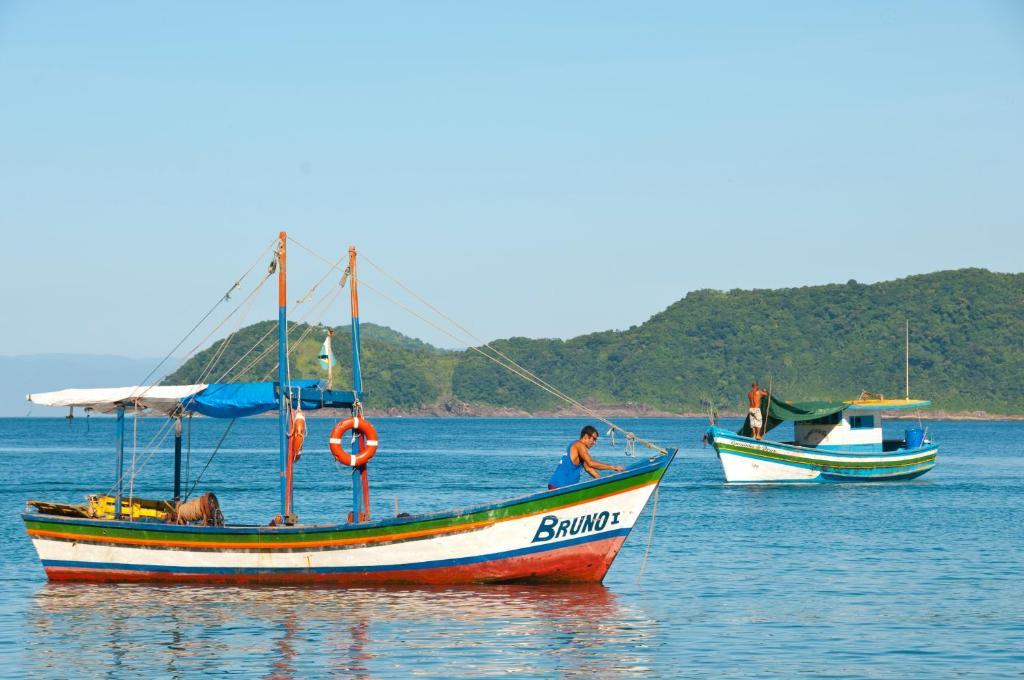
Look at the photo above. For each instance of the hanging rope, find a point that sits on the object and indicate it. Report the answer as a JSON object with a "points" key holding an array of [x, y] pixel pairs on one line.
{"points": [[154, 444], [188, 449], [135, 446]]}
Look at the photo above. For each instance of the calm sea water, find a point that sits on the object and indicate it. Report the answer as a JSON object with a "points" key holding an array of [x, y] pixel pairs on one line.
{"points": [[911, 579]]}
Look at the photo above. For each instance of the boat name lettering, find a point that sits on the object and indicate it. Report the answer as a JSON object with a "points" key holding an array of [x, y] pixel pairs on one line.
{"points": [[552, 527], [751, 445]]}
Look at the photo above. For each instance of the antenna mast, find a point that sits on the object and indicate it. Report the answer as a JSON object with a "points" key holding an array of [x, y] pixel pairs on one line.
{"points": [[906, 358]]}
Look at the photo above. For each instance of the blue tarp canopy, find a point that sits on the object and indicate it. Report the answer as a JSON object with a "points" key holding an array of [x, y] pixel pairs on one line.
{"points": [[238, 400]]}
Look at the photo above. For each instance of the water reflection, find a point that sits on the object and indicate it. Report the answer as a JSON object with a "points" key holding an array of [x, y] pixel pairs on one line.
{"points": [[297, 632]]}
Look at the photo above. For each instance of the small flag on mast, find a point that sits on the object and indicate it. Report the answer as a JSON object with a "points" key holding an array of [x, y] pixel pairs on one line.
{"points": [[326, 358]]}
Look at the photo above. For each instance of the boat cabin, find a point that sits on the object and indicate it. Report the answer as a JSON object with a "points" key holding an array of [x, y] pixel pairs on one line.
{"points": [[857, 427]]}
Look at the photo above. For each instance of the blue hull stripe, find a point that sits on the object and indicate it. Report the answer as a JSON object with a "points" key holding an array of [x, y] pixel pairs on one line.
{"points": [[833, 477], [434, 564]]}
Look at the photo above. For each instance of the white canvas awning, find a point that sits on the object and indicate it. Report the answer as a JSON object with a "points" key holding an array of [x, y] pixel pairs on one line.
{"points": [[162, 398]]}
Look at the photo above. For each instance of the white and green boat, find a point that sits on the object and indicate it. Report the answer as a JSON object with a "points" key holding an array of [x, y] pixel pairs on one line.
{"points": [[834, 441]]}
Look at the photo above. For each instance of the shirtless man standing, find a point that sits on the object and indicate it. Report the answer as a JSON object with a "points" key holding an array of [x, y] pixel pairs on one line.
{"points": [[754, 397]]}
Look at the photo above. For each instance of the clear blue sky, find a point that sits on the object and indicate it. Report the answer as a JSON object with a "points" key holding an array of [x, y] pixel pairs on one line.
{"points": [[539, 169]]}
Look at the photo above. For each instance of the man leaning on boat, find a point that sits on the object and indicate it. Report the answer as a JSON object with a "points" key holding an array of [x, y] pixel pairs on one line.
{"points": [[577, 455]]}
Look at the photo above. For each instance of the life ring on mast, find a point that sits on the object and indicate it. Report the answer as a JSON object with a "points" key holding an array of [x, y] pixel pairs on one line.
{"points": [[296, 435], [367, 442]]}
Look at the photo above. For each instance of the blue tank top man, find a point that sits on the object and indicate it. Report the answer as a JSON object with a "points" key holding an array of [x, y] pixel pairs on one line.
{"points": [[577, 457]]}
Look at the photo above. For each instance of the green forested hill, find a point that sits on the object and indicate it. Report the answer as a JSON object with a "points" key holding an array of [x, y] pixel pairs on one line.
{"points": [[967, 351], [398, 371]]}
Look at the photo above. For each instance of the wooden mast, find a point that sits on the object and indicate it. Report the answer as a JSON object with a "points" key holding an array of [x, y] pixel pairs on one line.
{"points": [[282, 372]]}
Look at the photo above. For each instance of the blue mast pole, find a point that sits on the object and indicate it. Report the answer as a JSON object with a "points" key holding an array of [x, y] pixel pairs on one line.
{"points": [[358, 473], [120, 461], [177, 458], [282, 370]]}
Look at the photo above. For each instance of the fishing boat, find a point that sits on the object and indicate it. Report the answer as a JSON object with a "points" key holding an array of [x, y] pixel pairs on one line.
{"points": [[834, 441], [565, 535]]}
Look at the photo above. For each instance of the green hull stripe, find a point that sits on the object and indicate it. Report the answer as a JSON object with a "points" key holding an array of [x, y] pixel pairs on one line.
{"points": [[826, 465], [277, 537]]}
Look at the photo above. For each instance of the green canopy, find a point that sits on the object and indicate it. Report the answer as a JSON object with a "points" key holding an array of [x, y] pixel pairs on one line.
{"points": [[780, 411]]}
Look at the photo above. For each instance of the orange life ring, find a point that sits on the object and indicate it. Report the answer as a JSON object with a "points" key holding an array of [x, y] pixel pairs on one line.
{"points": [[296, 435], [367, 442]]}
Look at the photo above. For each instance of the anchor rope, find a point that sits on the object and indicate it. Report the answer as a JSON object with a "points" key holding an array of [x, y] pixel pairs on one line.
{"points": [[650, 533], [135, 446]]}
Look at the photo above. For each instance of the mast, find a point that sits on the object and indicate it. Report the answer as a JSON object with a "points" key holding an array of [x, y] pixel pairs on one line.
{"points": [[906, 358], [282, 371], [360, 479], [357, 375]]}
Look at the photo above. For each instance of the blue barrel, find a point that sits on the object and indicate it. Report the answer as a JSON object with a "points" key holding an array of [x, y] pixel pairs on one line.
{"points": [[915, 437]]}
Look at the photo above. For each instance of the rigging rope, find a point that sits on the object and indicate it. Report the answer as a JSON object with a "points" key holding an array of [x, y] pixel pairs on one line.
{"points": [[161, 435], [210, 459], [522, 371], [508, 363], [244, 305], [154, 443], [165, 428], [248, 300], [293, 346], [225, 298], [513, 367]]}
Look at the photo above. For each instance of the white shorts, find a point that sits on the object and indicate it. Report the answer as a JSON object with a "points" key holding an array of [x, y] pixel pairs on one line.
{"points": [[755, 417]]}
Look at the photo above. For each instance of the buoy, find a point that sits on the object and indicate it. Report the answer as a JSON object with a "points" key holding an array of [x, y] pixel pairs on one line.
{"points": [[367, 442], [296, 435]]}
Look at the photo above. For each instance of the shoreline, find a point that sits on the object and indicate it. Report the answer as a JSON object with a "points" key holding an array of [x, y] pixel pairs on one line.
{"points": [[628, 411], [457, 410]]}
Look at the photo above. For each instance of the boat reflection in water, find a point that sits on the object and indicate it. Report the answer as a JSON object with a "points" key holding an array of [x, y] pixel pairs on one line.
{"points": [[286, 632]]}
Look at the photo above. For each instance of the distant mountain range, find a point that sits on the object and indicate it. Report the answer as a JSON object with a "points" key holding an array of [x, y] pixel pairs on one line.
{"points": [[21, 375], [832, 341]]}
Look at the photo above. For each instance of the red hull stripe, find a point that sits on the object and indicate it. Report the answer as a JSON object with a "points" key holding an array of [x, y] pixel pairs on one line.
{"points": [[575, 561]]}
